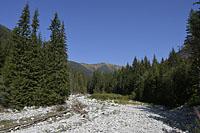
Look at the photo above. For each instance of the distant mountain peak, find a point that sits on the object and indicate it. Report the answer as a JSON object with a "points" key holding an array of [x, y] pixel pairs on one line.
{"points": [[88, 69]]}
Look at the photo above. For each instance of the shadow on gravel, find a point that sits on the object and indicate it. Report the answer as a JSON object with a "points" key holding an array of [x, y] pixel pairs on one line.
{"points": [[182, 118]]}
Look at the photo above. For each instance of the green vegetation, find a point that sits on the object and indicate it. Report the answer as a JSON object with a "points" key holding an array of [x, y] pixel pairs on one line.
{"points": [[117, 98], [108, 96]]}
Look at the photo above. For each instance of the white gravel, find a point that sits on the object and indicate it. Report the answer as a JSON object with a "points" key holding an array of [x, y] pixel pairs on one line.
{"points": [[101, 117]]}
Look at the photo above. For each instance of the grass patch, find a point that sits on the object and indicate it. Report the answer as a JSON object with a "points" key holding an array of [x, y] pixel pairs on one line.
{"points": [[108, 96], [116, 98]]}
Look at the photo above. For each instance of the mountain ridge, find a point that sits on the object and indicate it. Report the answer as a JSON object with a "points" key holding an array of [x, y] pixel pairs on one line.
{"points": [[88, 69]]}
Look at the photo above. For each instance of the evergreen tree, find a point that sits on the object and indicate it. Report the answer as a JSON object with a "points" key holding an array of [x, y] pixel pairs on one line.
{"points": [[23, 28], [147, 63], [16, 71], [134, 64], [56, 81], [35, 26]]}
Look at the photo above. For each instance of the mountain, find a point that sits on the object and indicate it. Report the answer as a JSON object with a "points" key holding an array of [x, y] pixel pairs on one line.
{"points": [[88, 69], [74, 66], [102, 67]]}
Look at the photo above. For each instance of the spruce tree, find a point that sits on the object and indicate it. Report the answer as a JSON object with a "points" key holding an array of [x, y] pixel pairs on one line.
{"points": [[23, 28], [56, 71], [37, 61], [16, 71], [35, 26]]}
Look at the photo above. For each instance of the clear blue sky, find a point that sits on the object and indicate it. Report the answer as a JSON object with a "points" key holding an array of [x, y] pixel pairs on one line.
{"points": [[112, 31]]}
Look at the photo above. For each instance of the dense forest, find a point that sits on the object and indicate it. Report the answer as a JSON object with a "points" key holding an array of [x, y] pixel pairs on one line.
{"points": [[172, 82], [34, 72]]}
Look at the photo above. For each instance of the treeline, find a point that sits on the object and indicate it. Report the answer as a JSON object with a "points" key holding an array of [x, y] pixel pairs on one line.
{"points": [[33, 71], [172, 82]]}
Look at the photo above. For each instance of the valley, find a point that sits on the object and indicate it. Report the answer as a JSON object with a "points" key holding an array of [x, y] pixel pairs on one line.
{"points": [[83, 114]]}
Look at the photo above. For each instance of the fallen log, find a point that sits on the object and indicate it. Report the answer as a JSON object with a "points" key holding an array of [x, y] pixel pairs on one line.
{"points": [[15, 127]]}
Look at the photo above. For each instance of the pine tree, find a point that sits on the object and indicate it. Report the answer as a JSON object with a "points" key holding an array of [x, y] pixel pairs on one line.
{"points": [[35, 26]]}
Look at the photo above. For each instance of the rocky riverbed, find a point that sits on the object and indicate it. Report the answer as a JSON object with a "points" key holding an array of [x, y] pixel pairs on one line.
{"points": [[85, 115]]}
